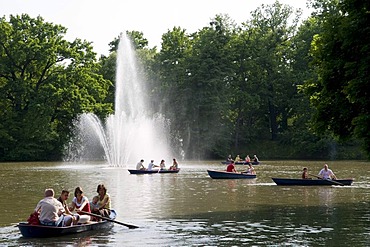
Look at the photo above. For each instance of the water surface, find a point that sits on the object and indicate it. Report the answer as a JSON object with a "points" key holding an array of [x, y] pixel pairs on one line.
{"points": [[191, 209]]}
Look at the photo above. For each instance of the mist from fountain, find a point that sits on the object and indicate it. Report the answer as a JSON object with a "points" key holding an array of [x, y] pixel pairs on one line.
{"points": [[132, 132]]}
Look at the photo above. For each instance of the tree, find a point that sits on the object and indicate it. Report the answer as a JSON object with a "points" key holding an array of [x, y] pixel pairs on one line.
{"points": [[45, 83], [271, 30], [171, 91], [210, 69], [342, 58]]}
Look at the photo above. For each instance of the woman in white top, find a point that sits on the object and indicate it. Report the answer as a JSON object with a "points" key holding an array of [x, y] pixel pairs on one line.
{"points": [[80, 202], [251, 170]]}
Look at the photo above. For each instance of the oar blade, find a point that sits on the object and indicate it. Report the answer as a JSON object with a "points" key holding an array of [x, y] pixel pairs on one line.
{"points": [[130, 226]]}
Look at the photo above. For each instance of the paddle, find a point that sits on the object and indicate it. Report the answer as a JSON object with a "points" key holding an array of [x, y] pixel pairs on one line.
{"points": [[329, 180], [108, 219]]}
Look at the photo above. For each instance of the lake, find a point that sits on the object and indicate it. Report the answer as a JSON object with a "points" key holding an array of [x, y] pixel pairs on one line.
{"points": [[191, 209]]}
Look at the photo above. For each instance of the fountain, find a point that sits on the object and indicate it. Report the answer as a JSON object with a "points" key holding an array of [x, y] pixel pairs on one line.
{"points": [[131, 133]]}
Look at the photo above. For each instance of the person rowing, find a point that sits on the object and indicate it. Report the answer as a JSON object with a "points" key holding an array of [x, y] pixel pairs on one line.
{"points": [[231, 167], [326, 173]]}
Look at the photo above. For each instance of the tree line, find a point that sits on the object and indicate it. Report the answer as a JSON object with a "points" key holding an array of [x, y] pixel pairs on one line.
{"points": [[275, 85]]}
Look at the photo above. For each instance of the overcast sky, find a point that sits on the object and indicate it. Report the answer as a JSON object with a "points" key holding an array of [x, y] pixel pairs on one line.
{"points": [[100, 21]]}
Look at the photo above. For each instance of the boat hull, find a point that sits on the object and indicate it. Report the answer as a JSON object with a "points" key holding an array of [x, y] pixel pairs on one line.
{"points": [[41, 231], [241, 163], [311, 182], [152, 171], [229, 175]]}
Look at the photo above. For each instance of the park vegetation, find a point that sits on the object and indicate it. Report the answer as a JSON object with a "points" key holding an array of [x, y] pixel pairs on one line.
{"points": [[275, 85]]}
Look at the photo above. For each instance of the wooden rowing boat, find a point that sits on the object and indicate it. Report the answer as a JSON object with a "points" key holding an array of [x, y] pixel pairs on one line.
{"points": [[311, 182], [42, 231], [152, 171], [229, 175]]}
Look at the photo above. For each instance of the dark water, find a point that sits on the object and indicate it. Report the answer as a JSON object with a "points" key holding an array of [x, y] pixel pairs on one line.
{"points": [[191, 209]]}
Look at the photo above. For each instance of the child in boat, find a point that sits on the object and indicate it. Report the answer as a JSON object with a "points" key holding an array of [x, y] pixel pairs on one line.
{"points": [[94, 204], [305, 173]]}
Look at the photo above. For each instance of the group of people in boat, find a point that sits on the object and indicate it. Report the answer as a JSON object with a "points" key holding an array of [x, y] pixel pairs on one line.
{"points": [[247, 159], [161, 166], [56, 212], [325, 173], [231, 168]]}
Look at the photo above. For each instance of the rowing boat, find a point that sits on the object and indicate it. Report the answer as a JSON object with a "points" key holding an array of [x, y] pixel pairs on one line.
{"points": [[41, 231], [152, 171], [311, 182], [229, 175]]}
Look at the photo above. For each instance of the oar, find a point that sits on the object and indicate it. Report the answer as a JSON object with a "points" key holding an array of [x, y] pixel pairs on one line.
{"points": [[108, 219], [329, 180]]}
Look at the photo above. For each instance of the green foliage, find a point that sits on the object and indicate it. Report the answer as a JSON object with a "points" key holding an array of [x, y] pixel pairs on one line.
{"points": [[341, 57], [225, 88], [45, 82]]}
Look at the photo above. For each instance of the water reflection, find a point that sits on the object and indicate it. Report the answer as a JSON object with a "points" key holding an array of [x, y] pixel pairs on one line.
{"points": [[326, 195]]}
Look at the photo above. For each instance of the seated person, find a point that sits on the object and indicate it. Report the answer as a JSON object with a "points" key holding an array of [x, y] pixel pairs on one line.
{"points": [[231, 167], [162, 165], [237, 158], [305, 173], [63, 199], [255, 159], [81, 204], [151, 165], [175, 165], [326, 173], [51, 211], [229, 158], [251, 170], [140, 166], [94, 204], [104, 201]]}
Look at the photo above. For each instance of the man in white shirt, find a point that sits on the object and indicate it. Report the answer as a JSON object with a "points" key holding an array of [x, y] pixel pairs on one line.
{"points": [[51, 211], [151, 165], [326, 173]]}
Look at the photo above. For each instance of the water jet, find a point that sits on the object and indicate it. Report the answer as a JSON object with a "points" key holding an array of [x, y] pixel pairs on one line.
{"points": [[133, 132]]}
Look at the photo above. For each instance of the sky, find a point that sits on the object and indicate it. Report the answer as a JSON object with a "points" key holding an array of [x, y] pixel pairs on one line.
{"points": [[100, 21]]}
